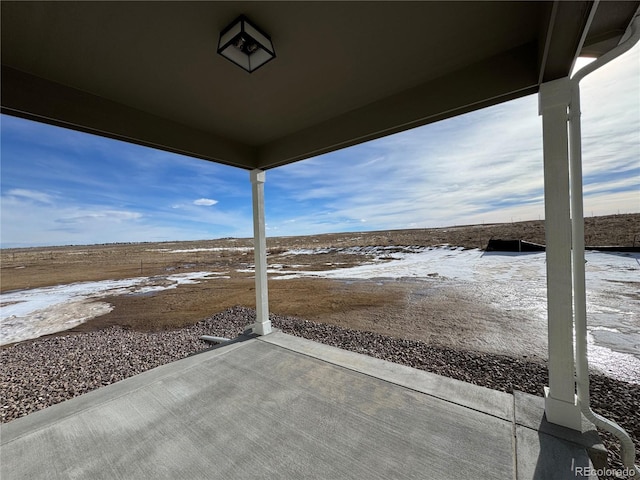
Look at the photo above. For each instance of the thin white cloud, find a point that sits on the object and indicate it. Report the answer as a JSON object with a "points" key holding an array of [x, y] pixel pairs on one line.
{"points": [[33, 195], [432, 176], [207, 202], [64, 221], [611, 203], [101, 216]]}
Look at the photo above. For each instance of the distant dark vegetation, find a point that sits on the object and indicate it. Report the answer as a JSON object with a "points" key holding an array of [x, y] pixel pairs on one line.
{"points": [[614, 230]]}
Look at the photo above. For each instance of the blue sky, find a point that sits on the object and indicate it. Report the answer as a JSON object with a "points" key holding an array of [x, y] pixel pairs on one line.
{"points": [[61, 187]]}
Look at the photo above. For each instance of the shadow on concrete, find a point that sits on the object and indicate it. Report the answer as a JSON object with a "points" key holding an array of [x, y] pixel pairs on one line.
{"points": [[560, 458]]}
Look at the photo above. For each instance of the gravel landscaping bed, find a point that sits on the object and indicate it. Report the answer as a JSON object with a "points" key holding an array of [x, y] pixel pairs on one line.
{"points": [[49, 370]]}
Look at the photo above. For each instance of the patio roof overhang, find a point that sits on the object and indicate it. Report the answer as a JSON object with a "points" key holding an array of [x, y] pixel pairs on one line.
{"points": [[345, 72]]}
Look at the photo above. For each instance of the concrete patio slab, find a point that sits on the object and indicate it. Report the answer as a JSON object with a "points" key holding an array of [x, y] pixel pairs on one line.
{"points": [[283, 407]]}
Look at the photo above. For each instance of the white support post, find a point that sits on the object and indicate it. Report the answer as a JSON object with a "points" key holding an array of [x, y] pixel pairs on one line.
{"points": [[263, 324], [561, 404]]}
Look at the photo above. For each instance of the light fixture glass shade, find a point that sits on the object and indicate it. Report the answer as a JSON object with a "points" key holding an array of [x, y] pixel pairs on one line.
{"points": [[245, 45]]}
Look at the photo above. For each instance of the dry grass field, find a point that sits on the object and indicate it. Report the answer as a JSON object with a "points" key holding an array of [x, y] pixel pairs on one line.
{"points": [[389, 308]]}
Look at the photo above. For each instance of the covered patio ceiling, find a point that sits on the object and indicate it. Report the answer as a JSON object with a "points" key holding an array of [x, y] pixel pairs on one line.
{"points": [[345, 72]]}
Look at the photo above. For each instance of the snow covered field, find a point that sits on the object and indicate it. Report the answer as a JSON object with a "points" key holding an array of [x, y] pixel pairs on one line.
{"points": [[517, 282], [513, 282]]}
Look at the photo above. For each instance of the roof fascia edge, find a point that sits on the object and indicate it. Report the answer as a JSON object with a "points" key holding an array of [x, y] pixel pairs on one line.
{"points": [[433, 101], [546, 38], [628, 32], [35, 98], [562, 38]]}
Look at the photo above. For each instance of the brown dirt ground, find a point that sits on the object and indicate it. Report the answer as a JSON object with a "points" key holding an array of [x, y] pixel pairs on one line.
{"points": [[395, 308]]}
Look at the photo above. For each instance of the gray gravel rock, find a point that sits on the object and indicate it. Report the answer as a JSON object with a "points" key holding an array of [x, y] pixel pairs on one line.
{"points": [[49, 370]]}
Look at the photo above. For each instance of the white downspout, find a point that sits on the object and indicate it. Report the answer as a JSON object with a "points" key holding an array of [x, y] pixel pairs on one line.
{"points": [[577, 224]]}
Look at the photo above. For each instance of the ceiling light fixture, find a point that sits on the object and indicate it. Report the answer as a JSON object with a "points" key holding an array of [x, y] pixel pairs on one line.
{"points": [[245, 45]]}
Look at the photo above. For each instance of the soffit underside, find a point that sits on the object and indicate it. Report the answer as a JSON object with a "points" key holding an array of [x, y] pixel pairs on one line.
{"points": [[151, 68]]}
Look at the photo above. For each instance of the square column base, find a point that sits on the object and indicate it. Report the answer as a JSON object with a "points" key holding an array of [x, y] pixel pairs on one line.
{"points": [[260, 328], [561, 412]]}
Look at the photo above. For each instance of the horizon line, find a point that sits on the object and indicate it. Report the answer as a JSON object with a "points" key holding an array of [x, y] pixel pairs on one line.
{"points": [[302, 236]]}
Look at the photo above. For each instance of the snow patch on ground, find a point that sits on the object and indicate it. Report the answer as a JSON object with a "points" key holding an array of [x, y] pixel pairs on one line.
{"points": [[517, 282], [195, 250], [34, 312]]}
